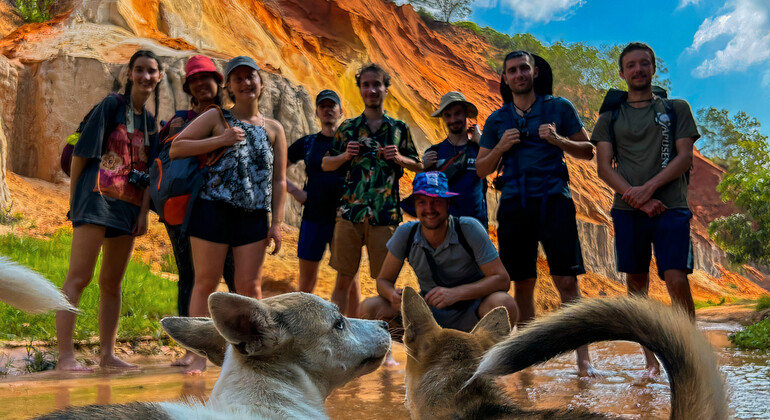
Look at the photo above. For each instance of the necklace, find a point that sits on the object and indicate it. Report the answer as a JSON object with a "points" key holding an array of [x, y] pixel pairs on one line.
{"points": [[524, 111]]}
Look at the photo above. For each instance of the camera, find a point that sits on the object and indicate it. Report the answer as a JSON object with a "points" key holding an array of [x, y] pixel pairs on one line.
{"points": [[138, 178]]}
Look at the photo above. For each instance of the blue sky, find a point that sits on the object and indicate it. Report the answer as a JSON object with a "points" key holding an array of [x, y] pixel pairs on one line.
{"points": [[717, 51]]}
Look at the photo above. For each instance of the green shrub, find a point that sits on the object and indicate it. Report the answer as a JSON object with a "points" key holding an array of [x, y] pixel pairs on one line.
{"points": [[426, 15], [146, 297], [40, 360], [753, 337], [35, 11], [763, 302], [168, 263], [469, 25]]}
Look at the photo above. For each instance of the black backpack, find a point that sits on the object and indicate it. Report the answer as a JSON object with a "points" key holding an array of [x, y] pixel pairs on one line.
{"points": [[615, 98]]}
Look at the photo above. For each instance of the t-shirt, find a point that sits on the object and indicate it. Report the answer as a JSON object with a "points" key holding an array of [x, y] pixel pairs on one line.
{"points": [[102, 189], [533, 167], [456, 265], [471, 201], [370, 191], [638, 141], [323, 188]]}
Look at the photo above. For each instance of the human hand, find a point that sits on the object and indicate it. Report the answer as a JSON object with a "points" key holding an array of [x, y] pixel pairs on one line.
{"points": [[429, 159], [441, 297], [140, 227], [390, 152], [548, 133], [475, 133], [653, 207], [352, 149], [233, 135], [637, 196], [275, 234], [395, 298], [510, 138]]}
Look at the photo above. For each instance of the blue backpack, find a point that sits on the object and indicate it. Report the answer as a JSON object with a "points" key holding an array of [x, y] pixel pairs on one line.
{"points": [[176, 183]]}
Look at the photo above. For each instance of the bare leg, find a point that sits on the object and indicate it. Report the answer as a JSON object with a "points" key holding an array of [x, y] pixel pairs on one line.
{"points": [[249, 260], [525, 299], [679, 289], [500, 299], [117, 253], [354, 298], [86, 243], [341, 291], [208, 259], [569, 290], [638, 285], [308, 275]]}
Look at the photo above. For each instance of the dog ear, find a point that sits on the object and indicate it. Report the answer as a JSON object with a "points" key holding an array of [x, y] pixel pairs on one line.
{"points": [[496, 323], [417, 317], [197, 335], [245, 323]]}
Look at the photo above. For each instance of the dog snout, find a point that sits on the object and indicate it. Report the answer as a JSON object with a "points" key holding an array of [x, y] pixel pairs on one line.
{"points": [[383, 325]]}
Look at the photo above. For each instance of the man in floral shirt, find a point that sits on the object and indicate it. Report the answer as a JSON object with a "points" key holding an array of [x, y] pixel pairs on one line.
{"points": [[374, 149]]}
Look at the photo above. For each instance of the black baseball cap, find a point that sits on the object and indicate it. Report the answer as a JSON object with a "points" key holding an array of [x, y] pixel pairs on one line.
{"points": [[241, 60], [327, 94]]}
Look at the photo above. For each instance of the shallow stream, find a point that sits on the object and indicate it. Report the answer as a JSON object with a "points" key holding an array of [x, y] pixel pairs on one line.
{"points": [[380, 395]]}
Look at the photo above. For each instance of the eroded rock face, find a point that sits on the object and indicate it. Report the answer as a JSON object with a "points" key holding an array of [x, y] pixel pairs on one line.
{"points": [[8, 79]]}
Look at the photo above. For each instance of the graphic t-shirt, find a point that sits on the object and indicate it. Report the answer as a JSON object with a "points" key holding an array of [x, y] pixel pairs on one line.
{"points": [[638, 137], [323, 188], [103, 195]]}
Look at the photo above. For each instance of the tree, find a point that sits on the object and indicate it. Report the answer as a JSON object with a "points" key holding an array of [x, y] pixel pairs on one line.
{"points": [[447, 9], [737, 144]]}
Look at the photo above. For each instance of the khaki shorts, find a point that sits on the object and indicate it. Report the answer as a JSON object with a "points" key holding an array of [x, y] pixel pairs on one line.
{"points": [[348, 239]]}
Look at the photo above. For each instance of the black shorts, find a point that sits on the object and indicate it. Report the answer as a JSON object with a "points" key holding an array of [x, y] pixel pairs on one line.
{"points": [[550, 222], [217, 221], [109, 232]]}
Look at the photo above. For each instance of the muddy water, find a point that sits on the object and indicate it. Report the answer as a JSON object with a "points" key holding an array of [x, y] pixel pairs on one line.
{"points": [[381, 394]]}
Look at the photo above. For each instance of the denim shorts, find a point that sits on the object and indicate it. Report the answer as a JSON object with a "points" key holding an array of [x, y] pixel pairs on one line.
{"points": [[313, 237], [637, 234]]}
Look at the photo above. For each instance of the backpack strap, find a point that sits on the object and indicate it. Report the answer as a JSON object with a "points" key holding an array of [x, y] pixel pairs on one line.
{"points": [[461, 237], [412, 236]]}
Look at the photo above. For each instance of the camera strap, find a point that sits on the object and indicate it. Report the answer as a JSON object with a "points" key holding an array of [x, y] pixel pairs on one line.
{"points": [[130, 128]]}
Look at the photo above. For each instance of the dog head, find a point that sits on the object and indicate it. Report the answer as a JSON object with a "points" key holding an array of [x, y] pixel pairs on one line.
{"points": [[293, 331], [440, 361]]}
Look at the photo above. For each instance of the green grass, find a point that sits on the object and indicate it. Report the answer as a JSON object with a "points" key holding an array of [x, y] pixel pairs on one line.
{"points": [[753, 337], [168, 263], [146, 297], [763, 302], [35, 10], [708, 303]]}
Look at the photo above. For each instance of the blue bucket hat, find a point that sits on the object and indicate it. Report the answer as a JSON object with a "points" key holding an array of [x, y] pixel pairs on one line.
{"points": [[432, 184]]}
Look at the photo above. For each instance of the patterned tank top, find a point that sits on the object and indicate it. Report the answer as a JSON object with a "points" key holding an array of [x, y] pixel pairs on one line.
{"points": [[243, 176]]}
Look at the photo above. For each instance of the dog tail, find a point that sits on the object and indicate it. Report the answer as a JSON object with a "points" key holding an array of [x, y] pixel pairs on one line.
{"points": [[697, 389], [29, 291]]}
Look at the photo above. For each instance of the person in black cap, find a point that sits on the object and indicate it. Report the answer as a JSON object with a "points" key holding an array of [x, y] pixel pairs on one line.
{"points": [[527, 138], [240, 190], [321, 195]]}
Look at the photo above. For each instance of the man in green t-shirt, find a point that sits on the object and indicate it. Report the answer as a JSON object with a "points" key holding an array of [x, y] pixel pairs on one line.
{"points": [[650, 182], [373, 149]]}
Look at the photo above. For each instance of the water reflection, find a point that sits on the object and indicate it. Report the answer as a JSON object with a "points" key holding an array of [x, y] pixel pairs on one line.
{"points": [[622, 391]]}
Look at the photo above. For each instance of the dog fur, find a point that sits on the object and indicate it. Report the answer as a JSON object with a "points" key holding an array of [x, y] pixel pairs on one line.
{"points": [[27, 290], [444, 379]]}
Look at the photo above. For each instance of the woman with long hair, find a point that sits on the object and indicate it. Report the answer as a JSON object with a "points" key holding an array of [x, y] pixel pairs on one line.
{"points": [[109, 203], [247, 182]]}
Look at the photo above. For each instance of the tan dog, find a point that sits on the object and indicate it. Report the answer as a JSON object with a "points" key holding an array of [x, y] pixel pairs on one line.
{"points": [[281, 357], [444, 379]]}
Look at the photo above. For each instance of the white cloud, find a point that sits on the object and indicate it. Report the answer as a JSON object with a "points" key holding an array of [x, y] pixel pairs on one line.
{"points": [[746, 25], [537, 11], [685, 3]]}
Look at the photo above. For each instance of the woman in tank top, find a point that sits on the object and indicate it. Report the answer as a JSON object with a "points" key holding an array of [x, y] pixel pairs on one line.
{"points": [[247, 182]]}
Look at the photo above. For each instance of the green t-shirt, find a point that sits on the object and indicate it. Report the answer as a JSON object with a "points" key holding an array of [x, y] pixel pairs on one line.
{"points": [[639, 157]]}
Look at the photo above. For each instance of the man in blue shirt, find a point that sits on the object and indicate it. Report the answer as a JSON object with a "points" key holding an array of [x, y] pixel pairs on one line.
{"points": [[321, 195], [456, 157], [527, 138]]}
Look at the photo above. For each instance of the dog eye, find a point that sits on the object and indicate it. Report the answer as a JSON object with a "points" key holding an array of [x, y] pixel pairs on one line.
{"points": [[340, 324]]}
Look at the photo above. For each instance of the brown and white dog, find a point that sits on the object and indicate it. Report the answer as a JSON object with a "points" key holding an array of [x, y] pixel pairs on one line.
{"points": [[450, 374], [281, 357]]}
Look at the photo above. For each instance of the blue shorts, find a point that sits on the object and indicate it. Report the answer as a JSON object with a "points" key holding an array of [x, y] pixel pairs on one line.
{"points": [[668, 233], [313, 237], [550, 222]]}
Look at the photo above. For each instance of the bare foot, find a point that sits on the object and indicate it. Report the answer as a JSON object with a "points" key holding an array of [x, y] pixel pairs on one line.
{"points": [[184, 360], [651, 372], [196, 367], [112, 362], [389, 360], [69, 364], [588, 371]]}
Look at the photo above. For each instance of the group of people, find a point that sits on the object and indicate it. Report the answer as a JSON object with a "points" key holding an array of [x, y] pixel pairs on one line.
{"points": [[351, 197]]}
